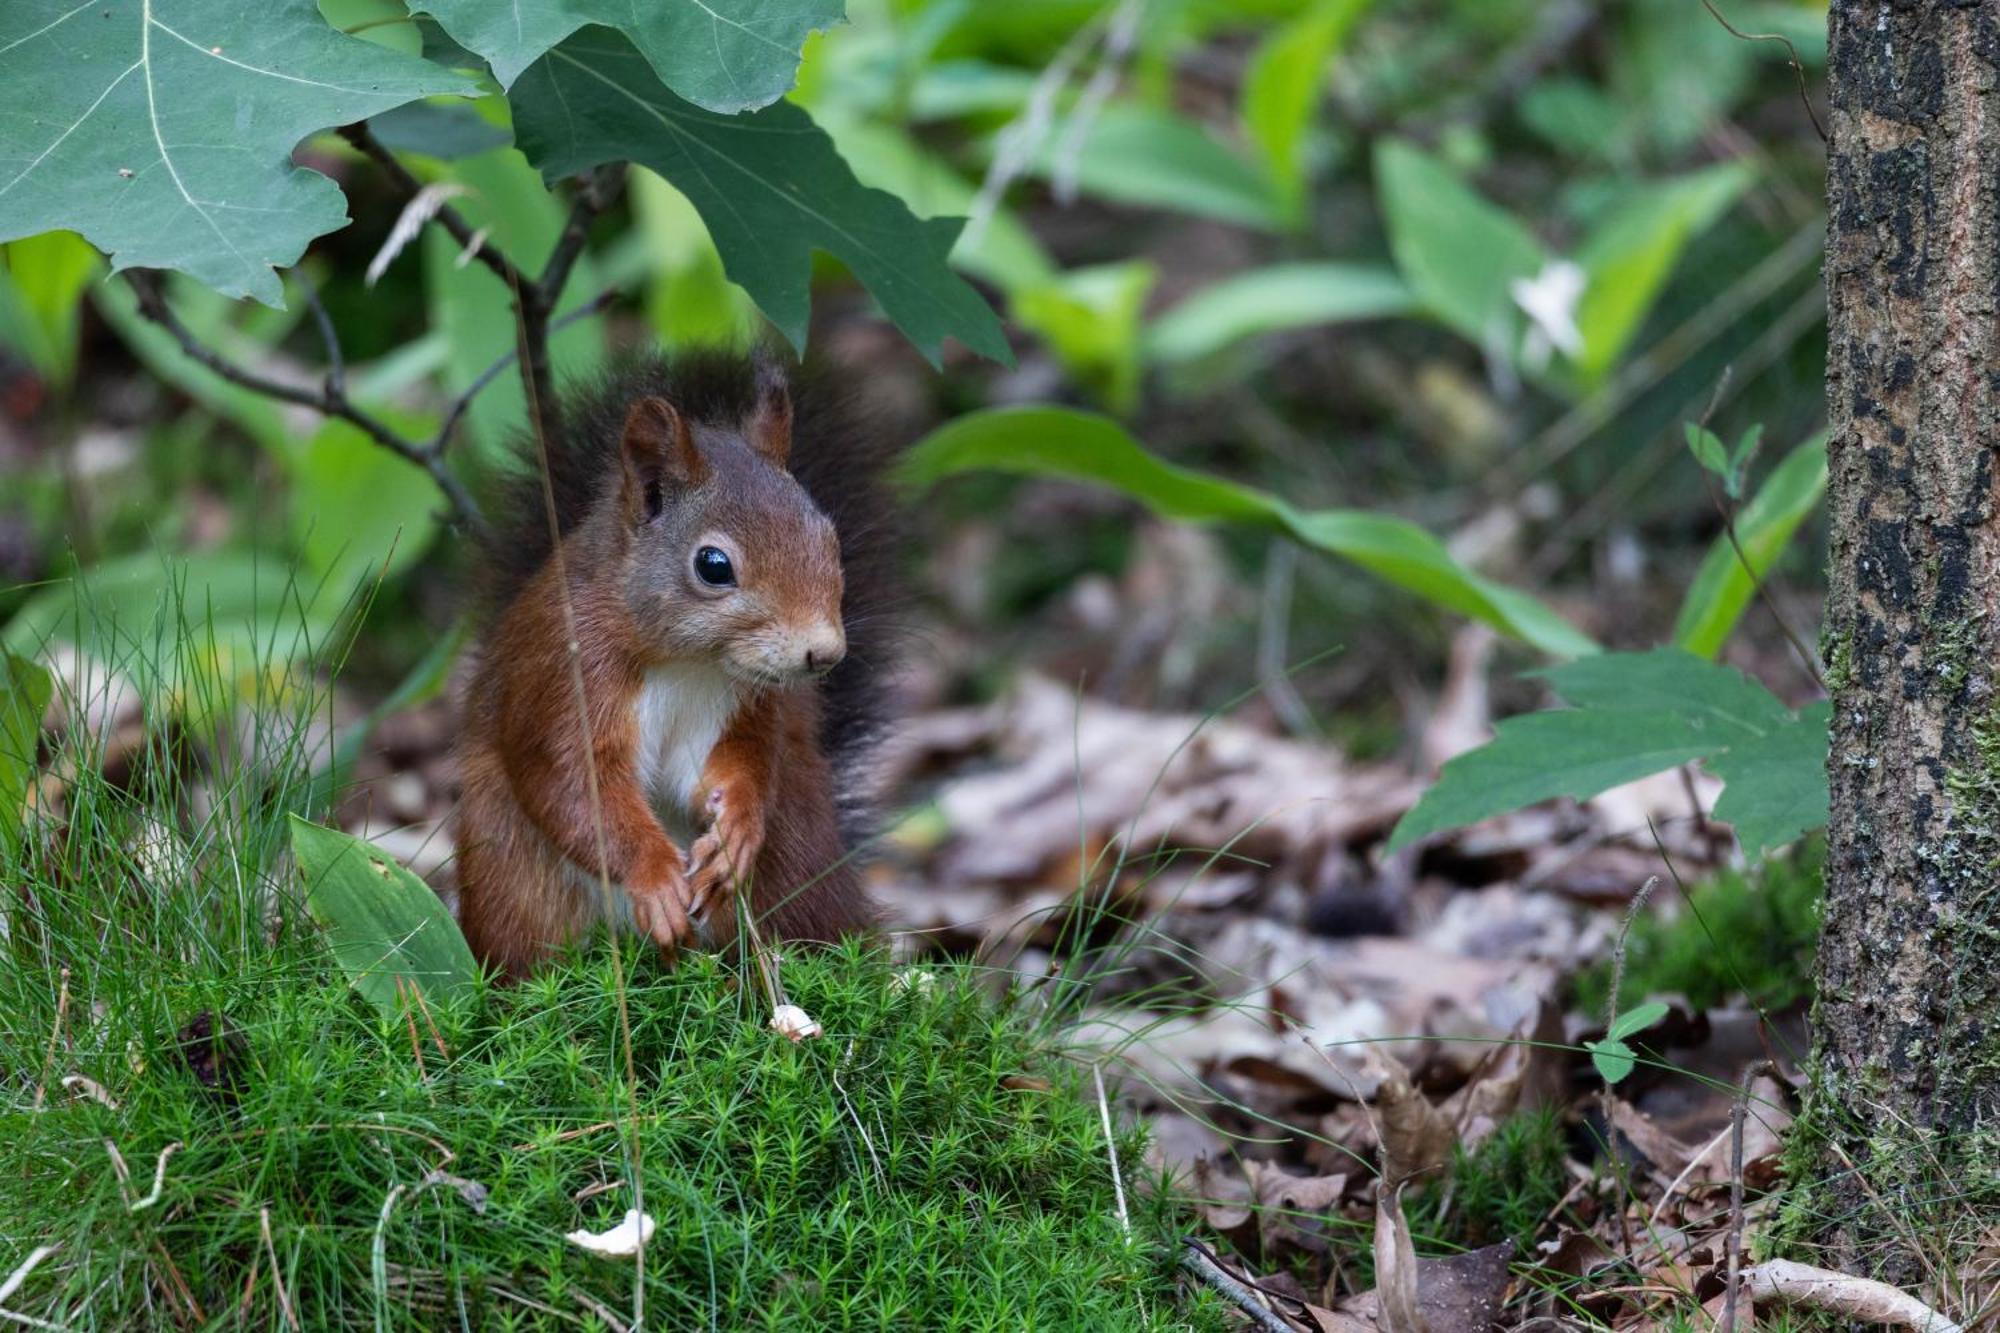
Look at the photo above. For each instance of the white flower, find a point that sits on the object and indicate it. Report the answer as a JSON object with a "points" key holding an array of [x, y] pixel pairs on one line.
{"points": [[1549, 300]]}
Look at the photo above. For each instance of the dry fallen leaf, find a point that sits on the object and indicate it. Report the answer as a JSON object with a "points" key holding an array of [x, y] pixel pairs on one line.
{"points": [[619, 1242], [91, 1088], [1415, 1138], [1395, 1266], [1861, 1299]]}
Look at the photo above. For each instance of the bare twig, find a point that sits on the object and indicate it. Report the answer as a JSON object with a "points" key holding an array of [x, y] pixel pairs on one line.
{"points": [[1792, 53], [1735, 1244], [1195, 1258], [536, 301], [1111, 1147], [330, 399], [441, 442], [448, 217]]}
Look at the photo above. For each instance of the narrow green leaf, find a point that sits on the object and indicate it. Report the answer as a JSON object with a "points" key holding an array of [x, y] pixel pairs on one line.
{"points": [[1153, 158], [1050, 441], [1707, 448], [1267, 300], [1090, 318], [769, 186], [163, 130], [386, 928], [358, 511], [41, 298], [1282, 90], [724, 55], [1628, 258], [1723, 586], [1458, 252], [24, 696], [1636, 714], [1637, 1019]]}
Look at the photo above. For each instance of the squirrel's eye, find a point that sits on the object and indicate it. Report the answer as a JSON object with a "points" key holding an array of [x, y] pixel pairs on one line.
{"points": [[713, 568]]}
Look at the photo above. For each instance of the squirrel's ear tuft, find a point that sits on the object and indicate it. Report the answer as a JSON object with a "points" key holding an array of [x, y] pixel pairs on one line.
{"points": [[658, 451], [769, 429]]}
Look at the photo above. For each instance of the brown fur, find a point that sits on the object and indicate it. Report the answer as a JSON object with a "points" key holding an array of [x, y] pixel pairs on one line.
{"points": [[532, 841]]}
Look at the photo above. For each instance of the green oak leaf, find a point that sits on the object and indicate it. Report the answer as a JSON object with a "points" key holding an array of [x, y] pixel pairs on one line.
{"points": [[725, 55], [163, 130], [768, 184], [1635, 714]]}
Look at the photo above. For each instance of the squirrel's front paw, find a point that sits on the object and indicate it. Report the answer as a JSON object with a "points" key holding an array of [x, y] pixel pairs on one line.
{"points": [[663, 913], [722, 858]]}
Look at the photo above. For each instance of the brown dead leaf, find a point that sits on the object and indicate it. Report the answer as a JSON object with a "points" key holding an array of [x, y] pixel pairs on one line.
{"points": [[1462, 1293], [1415, 1139], [1864, 1300], [1397, 1310], [1294, 1211]]}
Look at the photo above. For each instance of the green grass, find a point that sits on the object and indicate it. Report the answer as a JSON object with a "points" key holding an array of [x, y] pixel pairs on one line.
{"points": [[891, 1174], [1751, 933]]}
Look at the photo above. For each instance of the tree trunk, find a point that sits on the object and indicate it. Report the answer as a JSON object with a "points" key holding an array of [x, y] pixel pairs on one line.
{"points": [[1907, 1027]]}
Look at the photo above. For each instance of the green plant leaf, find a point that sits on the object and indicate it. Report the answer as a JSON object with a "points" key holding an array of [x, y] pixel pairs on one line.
{"points": [[41, 298], [1090, 318], [1266, 300], [1637, 1019], [386, 928], [24, 696], [176, 621], [769, 186], [1053, 441], [724, 55], [1457, 251], [1152, 158], [162, 130], [1707, 448], [1614, 1059], [1636, 714], [1723, 586], [357, 510], [1628, 258], [1282, 89]]}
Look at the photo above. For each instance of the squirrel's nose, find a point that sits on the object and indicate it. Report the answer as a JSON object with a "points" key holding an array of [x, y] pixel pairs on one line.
{"points": [[824, 649]]}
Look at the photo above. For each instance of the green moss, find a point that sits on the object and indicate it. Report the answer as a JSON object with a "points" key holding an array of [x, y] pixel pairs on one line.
{"points": [[1754, 932], [892, 1174], [1503, 1189]]}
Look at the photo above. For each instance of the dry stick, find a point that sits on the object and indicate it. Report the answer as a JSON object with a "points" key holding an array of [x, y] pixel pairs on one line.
{"points": [[539, 422], [1735, 1246], [328, 400], [1196, 1261], [55, 1035]]}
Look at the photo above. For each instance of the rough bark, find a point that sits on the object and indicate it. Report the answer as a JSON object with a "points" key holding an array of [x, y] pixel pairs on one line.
{"points": [[1907, 1026]]}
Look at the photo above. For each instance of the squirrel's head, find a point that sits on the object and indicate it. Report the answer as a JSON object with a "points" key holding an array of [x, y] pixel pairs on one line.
{"points": [[731, 562]]}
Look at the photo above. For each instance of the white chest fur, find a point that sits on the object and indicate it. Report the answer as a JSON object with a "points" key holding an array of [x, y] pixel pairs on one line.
{"points": [[681, 713]]}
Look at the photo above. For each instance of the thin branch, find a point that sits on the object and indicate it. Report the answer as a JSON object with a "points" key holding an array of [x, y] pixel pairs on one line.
{"points": [[537, 300], [1198, 1259], [1791, 53], [330, 399], [365, 141], [441, 442]]}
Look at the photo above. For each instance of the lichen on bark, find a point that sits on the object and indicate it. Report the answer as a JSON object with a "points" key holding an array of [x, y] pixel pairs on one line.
{"points": [[1907, 1024]]}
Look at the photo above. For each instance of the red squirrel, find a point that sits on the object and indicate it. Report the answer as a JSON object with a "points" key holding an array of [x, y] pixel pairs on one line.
{"points": [[725, 557]]}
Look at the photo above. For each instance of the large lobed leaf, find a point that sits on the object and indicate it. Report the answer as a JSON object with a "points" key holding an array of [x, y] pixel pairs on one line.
{"points": [[1636, 714], [726, 55], [162, 130], [1053, 441], [768, 184]]}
